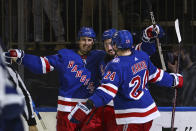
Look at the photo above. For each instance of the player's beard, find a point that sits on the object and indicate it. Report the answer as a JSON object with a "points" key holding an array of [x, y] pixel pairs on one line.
{"points": [[108, 58]]}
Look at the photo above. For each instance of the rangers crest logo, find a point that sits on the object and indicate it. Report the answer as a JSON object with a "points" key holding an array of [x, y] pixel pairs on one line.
{"points": [[116, 60]]}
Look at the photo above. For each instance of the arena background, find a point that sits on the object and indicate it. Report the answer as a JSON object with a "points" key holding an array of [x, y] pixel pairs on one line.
{"points": [[18, 30]]}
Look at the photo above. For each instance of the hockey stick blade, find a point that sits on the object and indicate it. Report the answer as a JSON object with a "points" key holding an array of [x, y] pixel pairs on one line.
{"points": [[178, 30]]}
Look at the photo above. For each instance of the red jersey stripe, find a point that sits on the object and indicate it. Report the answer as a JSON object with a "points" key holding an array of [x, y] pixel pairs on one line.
{"points": [[66, 103], [137, 114], [109, 89], [156, 77], [47, 65]]}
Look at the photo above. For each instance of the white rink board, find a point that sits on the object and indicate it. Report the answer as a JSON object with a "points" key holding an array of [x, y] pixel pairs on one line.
{"points": [[49, 119], [183, 120]]}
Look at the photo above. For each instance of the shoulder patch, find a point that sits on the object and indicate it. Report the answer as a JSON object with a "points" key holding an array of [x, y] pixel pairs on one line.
{"points": [[116, 60]]}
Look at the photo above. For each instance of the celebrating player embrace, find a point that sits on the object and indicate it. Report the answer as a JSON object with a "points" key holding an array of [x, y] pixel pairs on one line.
{"points": [[125, 82]]}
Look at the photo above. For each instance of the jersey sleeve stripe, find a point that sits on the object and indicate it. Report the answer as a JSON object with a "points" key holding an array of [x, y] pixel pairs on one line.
{"points": [[46, 67], [157, 76], [111, 85], [43, 65], [47, 64], [109, 89], [138, 46]]}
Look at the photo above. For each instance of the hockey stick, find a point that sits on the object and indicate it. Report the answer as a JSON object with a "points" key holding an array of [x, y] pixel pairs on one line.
{"points": [[157, 39], [91, 116], [177, 70], [39, 116]]}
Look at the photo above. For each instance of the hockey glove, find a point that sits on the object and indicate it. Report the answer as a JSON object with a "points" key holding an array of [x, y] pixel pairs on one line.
{"points": [[80, 112], [15, 55], [150, 33], [178, 80]]}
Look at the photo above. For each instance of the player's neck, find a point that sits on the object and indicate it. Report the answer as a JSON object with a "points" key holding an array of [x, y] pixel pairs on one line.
{"points": [[124, 52], [81, 53]]}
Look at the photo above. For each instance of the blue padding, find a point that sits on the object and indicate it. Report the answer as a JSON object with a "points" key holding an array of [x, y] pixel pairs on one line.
{"points": [[54, 109], [177, 108], [46, 109]]}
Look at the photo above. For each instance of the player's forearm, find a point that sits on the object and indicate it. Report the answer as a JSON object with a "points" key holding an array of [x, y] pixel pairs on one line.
{"points": [[33, 63], [149, 48], [166, 81]]}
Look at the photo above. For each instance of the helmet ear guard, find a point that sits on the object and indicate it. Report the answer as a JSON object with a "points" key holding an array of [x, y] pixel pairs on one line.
{"points": [[122, 39]]}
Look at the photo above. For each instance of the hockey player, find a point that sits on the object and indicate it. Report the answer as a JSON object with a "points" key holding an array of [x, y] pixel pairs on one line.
{"points": [[11, 103], [125, 81], [104, 117], [76, 69]]}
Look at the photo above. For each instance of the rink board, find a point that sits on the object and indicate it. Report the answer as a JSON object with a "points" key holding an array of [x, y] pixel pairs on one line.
{"points": [[185, 119]]}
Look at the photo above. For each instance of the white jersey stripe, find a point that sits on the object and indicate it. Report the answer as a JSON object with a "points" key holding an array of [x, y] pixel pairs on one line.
{"points": [[64, 108], [111, 85], [51, 67], [107, 91], [71, 102], [133, 110], [154, 75], [161, 76], [138, 46], [43, 65], [71, 99], [157, 76], [128, 120]]}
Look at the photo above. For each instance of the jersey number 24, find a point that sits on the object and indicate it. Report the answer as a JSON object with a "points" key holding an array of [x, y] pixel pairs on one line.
{"points": [[138, 84]]}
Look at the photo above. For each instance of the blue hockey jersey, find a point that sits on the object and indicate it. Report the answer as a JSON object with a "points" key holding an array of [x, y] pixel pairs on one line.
{"points": [[148, 48], [92, 62], [125, 81], [74, 77]]}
